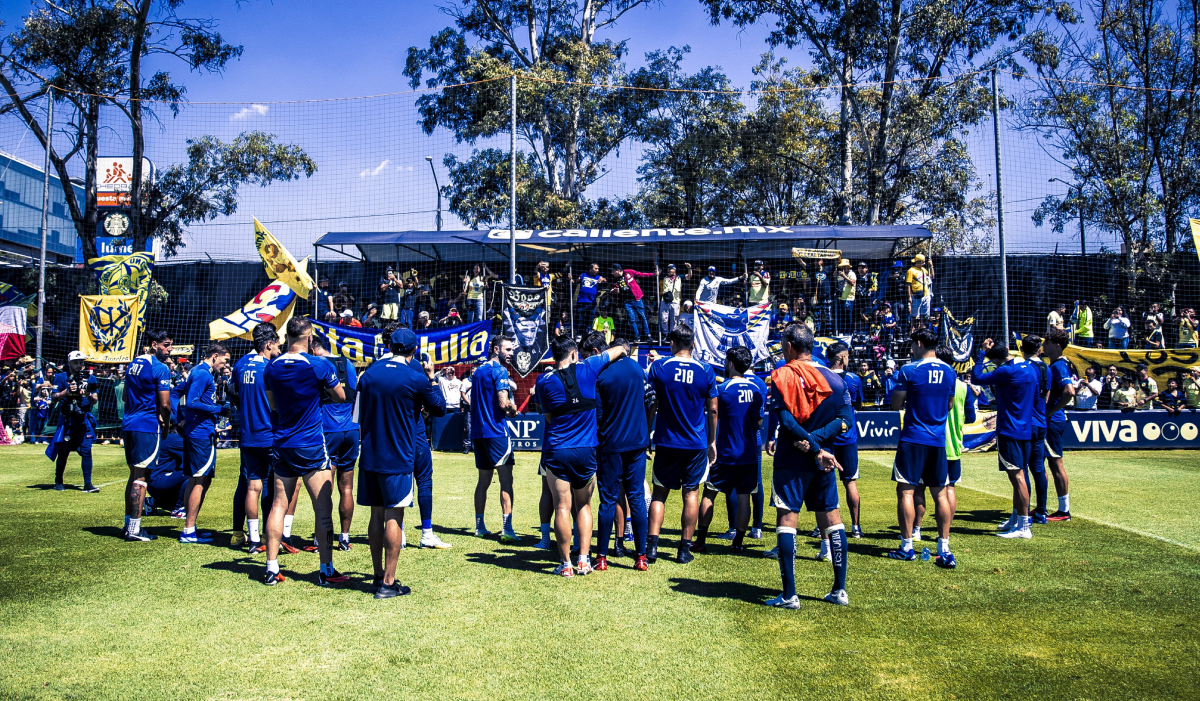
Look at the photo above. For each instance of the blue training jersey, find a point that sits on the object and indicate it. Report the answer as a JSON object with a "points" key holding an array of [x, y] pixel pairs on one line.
{"points": [[145, 377], [622, 407], [571, 420], [1060, 379], [391, 395], [787, 457], [683, 386], [487, 419], [199, 402], [255, 417], [766, 393], [929, 387], [1039, 407], [62, 379], [1015, 387], [854, 390], [297, 381], [588, 284], [339, 416], [739, 410]]}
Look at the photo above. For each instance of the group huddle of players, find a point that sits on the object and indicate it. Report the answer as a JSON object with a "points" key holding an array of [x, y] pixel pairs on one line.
{"points": [[307, 416]]}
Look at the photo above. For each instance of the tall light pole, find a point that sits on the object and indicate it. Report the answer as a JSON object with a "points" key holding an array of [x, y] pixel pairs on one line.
{"points": [[439, 191]]}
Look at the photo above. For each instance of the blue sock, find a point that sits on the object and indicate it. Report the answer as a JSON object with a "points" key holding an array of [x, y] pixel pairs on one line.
{"points": [[327, 568], [837, 549], [239, 504], [506, 522], [787, 560], [607, 526], [86, 465], [426, 524], [425, 497], [479, 522], [1040, 486]]}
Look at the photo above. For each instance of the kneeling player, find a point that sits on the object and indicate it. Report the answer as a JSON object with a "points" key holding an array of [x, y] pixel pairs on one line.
{"points": [[739, 417]]}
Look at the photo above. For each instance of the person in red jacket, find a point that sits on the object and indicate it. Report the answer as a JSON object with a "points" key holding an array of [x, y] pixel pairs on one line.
{"points": [[635, 310]]}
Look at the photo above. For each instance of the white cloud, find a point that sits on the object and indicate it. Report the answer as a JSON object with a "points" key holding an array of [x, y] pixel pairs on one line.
{"points": [[404, 169], [372, 172], [255, 110]]}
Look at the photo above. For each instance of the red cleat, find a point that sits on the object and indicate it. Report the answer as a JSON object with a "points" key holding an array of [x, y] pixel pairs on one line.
{"points": [[641, 565], [601, 564], [286, 545], [1059, 516]]}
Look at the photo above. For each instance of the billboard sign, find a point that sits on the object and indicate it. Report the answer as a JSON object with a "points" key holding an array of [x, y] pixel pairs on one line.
{"points": [[114, 178]]}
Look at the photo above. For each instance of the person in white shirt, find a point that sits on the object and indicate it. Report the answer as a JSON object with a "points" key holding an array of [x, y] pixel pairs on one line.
{"points": [[1087, 390], [671, 291], [710, 285], [451, 388], [1055, 319], [465, 406]]}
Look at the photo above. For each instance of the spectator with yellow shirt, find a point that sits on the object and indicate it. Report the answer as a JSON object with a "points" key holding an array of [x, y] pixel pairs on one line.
{"points": [[1191, 388], [1082, 321], [920, 287], [845, 315], [1188, 338]]}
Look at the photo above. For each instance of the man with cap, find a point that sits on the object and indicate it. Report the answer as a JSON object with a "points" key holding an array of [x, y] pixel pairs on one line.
{"points": [[710, 285], [868, 284], [347, 319], [920, 287], [76, 394], [635, 309], [760, 281], [391, 394], [671, 289], [845, 307], [585, 299]]}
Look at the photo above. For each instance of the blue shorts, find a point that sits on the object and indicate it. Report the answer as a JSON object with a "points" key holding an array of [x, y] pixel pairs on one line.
{"points": [[920, 464], [676, 468], [388, 491], [813, 488], [1014, 453], [491, 453], [623, 470], [423, 466], [298, 462], [1054, 438], [170, 453], [256, 462], [342, 447], [141, 449], [574, 465], [954, 471], [79, 436], [847, 457], [1037, 450], [200, 455], [727, 478]]}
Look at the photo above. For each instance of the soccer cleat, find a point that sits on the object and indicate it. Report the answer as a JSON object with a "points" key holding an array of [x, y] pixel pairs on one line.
{"points": [[824, 555], [756, 534], [737, 549], [1023, 533], [343, 545], [899, 554], [1059, 516], [816, 532], [1007, 524], [312, 547], [640, 564], [628, 537], [601, 563], [482, 533], [391, 591], [375, 584], [620, 550], [179, 513], [273, 578], [140, 536], [652, 553], [335, 578], [196, 537], [90, 489], [700, 548], [1037, 518], [781, 603], [238, 538], [773, 553], [285, 544], [727, 535], [584, 567], [945, 561], [684, 557], [564, 570], [838, 597], [543, 544], [916, 532], [432, 541], [509, 537], [254, 547], [60, 487], [856, 532]]}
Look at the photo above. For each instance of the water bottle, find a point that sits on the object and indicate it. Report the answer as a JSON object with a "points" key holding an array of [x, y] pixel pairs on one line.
{"points": [[925, 554]]}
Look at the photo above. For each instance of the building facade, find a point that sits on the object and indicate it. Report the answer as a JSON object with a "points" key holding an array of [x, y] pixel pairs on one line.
{"points": [[21, 184]]}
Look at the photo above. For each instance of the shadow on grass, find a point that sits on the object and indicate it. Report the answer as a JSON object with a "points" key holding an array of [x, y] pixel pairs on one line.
{"points": [[527, 560], [114, 531], [737, 591], [43, 487], [993, 516], [255, 570]]}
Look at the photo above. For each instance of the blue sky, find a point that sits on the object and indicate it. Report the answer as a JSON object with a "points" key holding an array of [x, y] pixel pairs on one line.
{"points": [[370, 154]]}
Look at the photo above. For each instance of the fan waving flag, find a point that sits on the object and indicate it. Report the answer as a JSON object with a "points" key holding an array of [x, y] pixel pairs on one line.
{"points": [[280, 264], [273, 305], [719, 328]]}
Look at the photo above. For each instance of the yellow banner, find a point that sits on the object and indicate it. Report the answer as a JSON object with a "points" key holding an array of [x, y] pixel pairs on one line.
{"points": [[274, 304], [125, 275], [1161, 363], [280, 264], [1195, 233], [816, 253], [108, 327]]}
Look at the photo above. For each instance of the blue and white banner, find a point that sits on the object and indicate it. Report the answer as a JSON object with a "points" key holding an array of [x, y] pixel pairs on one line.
{"points": [[458, 344], [1134, 430], [719, 328]]}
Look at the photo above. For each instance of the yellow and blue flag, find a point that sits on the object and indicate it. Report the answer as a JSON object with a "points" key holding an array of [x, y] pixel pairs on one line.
{"points": [[279, 263]]}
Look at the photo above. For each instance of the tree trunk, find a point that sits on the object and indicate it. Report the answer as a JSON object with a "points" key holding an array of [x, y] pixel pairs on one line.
{"points": [[847, 195], [879, 155], [137, 226], [91, 214]]}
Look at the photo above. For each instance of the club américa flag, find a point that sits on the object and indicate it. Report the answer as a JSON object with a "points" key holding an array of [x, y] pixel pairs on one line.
{"points": [[719, 328]]}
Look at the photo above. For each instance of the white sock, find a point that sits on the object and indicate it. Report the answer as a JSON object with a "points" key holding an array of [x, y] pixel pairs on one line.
{"points": [[916, 534], [186, 530], [1064, 503], [1026, 521], [287, 526], [906, 544], [273, 565], [824, 546], [479, 523], [127, 520], [345, 536], [426, 533], [253, 523], [133, 525], [545, 531], [943, 546]]}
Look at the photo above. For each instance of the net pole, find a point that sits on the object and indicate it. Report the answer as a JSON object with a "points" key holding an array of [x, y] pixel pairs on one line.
{"points": [[512, 180], [571, 290], [1000, 210], [657, 297], [41, 300]]}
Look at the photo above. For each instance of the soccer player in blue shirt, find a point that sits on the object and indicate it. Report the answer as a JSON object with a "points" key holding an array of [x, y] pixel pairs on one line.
{"points": [[740, 405], [567, 397], [924, 391], [1062, 391], [391, 394], [257, 423], [200, 412], [803, 472], [1014, 384], [341, 436], [147, 419], [845, 446], [76, 395], [1031, 348], [624, 434], [685, 436], [491, 401], [296, 381]]}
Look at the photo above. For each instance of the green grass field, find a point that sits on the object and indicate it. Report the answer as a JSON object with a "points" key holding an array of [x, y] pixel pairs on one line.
{"points": [[1084, 610]]}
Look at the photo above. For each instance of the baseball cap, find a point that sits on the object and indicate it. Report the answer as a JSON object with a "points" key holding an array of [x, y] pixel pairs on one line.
{"points": [[712, 268], [347, 313], [405, 339], [862, 263], [844, 263], [76, 355], [758, 262], [784, 307], [670, 266], [898, 264], [891, 364], [919, 258]]}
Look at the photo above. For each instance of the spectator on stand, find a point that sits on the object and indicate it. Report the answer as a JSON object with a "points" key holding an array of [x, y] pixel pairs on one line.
{"points": [[371, 319], [670, 297], [635, 311], [408, 303], [1154, 313], [343, 299], [388, 297], [1154, 336], [423, 322], [452, 318], [585, 299], [780, 321], [872, 386], [760, 283], [347, 319], [888, 322], [849, 284], [563, 326], [895, 290], [1087, 390], [1188, 337], [324, 293], [709, 287], [890, 382], [1146, 386], [1191, 388], [1125, 397], [920, 287], [1172, 400], [822, 299], [1109, 384], [1117, 326], [1081, 319], [1055, 319], [41, 411]]}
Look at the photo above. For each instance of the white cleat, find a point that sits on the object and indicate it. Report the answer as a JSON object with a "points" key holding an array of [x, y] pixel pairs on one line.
{"points": [[756, 534], [510, 537], [824, 554], [1007, 524], [432, 541], [584, 567], [1024, 533], [482, 533], [838, 597], [727, 535], [781, 603]]}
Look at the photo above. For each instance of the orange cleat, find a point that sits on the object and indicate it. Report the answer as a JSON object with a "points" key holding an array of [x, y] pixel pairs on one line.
{"points": [[601, 564], [641, 565]]}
